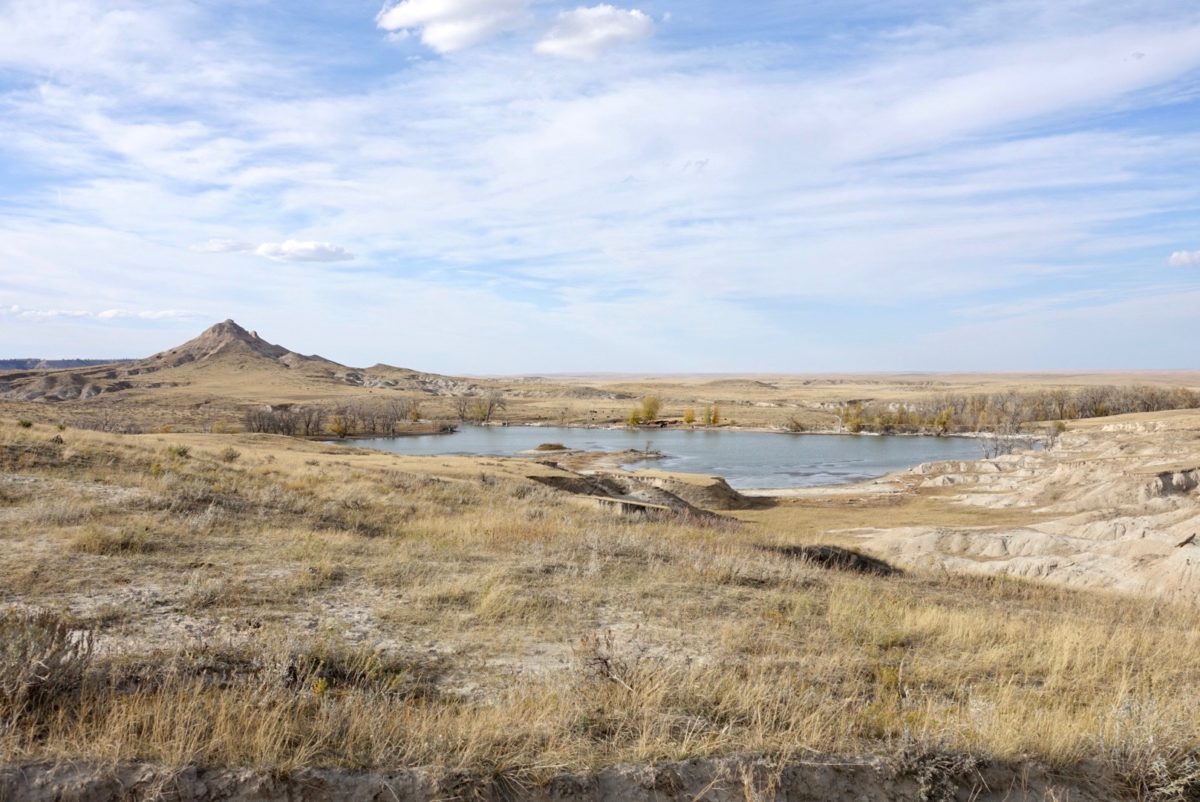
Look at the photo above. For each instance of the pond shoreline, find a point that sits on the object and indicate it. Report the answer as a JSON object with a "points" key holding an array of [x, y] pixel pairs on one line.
{"points": [[744, 456], [452, 428], [762, 429]]}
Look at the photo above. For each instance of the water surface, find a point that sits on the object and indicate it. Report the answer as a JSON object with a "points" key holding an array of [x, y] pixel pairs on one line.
{"points": [[746, 459]]}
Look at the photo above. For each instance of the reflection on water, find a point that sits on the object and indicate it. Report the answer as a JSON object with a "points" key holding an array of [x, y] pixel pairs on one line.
{"points": [[745, 459]]}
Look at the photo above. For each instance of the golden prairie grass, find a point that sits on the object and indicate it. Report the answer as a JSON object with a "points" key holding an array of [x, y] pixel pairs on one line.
{"points": [[212, 396], [95, 540], [305, 605]]}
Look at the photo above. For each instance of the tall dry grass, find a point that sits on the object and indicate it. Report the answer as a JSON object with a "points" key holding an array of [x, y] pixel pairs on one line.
{"points": [[343, 609]]}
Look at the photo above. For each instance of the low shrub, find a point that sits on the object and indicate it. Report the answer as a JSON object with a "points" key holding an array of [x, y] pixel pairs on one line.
{"points": [[42, 662], [108, 543]]}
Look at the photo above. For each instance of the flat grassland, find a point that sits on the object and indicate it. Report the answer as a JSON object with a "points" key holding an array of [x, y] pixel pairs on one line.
{"points": [[212, 395], [264, 601]]}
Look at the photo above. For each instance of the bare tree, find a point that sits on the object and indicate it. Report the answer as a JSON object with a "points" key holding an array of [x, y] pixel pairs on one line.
{"points": [[271, 420], [479, 408], [492, 402], [311, 420], [463, 406]]}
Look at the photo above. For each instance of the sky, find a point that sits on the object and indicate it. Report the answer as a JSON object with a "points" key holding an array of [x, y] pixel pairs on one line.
{"points": [[528, 186]]}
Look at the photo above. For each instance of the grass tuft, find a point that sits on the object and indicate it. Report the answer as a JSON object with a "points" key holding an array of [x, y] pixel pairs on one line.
{"points": [[107, 542]]}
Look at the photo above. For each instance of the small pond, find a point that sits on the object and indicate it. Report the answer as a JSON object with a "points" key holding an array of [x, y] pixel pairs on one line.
{"points": [[746, 459]]}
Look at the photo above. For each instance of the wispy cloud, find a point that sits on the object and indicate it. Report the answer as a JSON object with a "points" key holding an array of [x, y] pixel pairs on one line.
{"points": [[742, 182], [154, 314], [222, 246], [24, 313], [1184, 259], [450, 25], [297, 251], [287, 251], [586, 33]]}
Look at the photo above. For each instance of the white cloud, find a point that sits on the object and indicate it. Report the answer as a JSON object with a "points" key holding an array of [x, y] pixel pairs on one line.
{"points": [[586, 33], [450, 25], [297, 251], [1184, 259], [287, 251], [26, 313], [222, 246], [153, 314], [555, 201]]}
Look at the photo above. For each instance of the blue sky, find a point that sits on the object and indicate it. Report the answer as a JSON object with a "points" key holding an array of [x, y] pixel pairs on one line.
{"points": [[519, 186]]}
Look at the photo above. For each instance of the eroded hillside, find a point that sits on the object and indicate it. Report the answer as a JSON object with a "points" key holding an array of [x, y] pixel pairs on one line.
{"points": [[1112, 505]]}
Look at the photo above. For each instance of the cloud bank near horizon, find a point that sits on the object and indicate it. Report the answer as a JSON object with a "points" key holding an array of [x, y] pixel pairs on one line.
{"points": [[22, 313]]}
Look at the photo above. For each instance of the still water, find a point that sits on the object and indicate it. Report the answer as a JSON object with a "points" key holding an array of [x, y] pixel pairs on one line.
{"points": [[746, 459]]}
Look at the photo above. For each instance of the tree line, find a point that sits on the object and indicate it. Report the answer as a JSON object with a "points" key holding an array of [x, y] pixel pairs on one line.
{"points": [[384, 417], [1007, 412], [649, 408]]}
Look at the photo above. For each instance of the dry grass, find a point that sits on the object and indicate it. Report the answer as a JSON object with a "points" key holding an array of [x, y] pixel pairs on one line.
{"points": [[361, 609], [94, 540], [212, 396]]}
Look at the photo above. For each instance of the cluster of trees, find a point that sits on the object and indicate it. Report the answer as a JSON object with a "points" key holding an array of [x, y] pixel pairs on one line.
{"points": [[382, 417], [711, 415], [646, 411], [650, 407], [287, 420], [1006, 412], [479, 408]]}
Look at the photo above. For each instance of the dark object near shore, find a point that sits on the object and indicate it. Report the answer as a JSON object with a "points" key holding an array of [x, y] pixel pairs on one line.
{"points": [[836, 558]]}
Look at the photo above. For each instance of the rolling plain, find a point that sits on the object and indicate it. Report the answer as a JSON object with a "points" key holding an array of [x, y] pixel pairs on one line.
{"points": [[193, 610]]}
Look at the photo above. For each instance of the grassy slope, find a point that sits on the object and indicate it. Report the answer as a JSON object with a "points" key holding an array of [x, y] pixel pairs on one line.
{"points": [[298, 604]]}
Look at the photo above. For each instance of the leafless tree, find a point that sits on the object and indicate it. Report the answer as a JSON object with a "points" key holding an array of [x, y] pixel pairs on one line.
{"points": [[463, 406], [488, 405], [311, 420], [268, 420], [397, 411]]}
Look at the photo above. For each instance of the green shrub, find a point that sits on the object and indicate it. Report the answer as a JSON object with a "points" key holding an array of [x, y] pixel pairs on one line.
{"points": [[24, 424]]}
